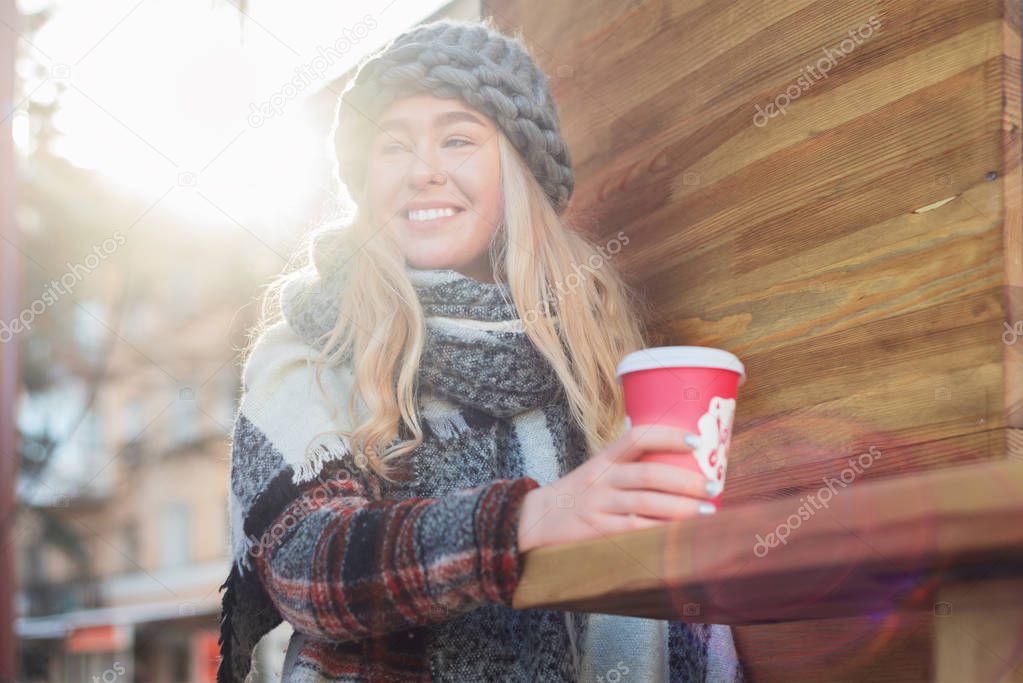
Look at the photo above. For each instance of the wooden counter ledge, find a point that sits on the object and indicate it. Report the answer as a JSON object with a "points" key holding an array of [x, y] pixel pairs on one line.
{"points": [[876, 546]]}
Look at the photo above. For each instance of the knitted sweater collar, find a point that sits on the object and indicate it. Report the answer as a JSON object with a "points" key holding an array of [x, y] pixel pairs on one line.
{"points": [[477, 352]]}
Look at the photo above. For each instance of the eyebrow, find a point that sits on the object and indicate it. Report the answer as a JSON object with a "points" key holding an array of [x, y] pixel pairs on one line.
{"points": [[445, 119]]}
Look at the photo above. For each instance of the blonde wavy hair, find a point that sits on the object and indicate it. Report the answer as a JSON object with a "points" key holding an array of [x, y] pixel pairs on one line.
{"points": [[583, 330]]}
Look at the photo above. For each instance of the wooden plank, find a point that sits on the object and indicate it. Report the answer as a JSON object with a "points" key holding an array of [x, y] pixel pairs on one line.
{"points": [[1012, 199], [880, 648], [979, 632], [861, 548], [805, 472]]}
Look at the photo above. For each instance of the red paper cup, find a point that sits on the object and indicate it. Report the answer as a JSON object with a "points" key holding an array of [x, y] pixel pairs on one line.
{"points": [[691, 387]]}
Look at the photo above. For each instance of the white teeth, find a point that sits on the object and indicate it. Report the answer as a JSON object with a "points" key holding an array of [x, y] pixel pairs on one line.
{"points": [[430, 214]]}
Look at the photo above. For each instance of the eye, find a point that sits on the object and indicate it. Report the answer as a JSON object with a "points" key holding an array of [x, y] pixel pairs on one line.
{"points": [[467, 142]]}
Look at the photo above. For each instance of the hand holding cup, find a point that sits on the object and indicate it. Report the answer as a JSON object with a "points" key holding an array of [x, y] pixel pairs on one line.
{"points": [[613, 492]]}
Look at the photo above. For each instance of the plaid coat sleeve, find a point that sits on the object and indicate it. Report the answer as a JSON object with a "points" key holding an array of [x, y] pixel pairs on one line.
{"points": [[350, 567]]}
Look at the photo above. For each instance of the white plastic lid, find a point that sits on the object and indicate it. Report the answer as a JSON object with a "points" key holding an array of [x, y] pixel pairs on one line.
{"points": [[681, 356]]}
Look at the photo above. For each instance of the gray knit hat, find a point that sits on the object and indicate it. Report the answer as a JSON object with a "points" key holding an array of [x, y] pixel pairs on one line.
{"points": [[491, 72]]}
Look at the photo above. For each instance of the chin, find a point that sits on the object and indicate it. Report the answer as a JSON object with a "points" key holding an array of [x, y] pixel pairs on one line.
{"points": [[430, 261]]}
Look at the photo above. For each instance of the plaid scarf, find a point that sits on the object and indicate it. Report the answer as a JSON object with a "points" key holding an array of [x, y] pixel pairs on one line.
{"points": [[494, 413]]}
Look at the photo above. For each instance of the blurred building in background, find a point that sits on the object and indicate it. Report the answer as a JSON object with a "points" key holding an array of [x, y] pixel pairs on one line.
{"points": [[120, 577]]}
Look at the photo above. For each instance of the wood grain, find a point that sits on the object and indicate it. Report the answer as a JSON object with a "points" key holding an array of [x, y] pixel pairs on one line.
{"points": [[862, 253], [862, 547]]}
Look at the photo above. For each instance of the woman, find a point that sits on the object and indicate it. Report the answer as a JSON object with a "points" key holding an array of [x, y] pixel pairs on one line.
{"points": [[482, 417]]}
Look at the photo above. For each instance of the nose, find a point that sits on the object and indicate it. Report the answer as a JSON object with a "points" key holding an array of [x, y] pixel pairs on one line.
{"points": [[425, 167]]}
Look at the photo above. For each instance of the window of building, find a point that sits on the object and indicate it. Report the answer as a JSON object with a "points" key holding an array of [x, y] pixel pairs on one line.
{"points": [[176, 539], [131, 552], [185, 423], [89, 331], [132, 419]]}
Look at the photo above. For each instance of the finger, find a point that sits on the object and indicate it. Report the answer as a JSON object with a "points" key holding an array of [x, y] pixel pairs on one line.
{"points": [[642, 438], [657, 476], [655, 504]]}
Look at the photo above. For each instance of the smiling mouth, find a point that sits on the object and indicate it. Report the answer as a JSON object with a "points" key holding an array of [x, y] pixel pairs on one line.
{"points": [[431, 218]]}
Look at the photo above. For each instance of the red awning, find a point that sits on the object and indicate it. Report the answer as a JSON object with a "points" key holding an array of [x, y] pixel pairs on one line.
{"points": [[105, 638]]}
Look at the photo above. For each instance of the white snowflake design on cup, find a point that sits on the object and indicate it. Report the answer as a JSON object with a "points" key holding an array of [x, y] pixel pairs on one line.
{"points": [[715, 428]]}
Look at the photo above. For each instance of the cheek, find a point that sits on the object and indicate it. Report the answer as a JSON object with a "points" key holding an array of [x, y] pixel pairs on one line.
{"points": [[384, 186], [484, 181]]}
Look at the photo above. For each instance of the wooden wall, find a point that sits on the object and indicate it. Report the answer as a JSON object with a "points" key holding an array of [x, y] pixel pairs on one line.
{"points": [[860, 251]]}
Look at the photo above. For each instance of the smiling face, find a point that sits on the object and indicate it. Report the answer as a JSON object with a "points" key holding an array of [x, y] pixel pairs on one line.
{"points": [[437, 154]]}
